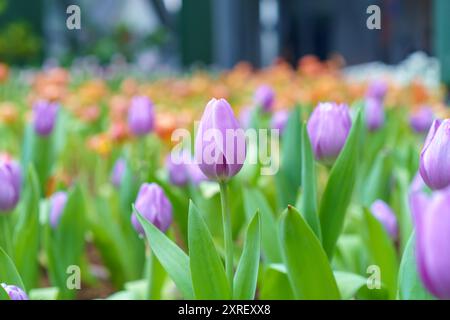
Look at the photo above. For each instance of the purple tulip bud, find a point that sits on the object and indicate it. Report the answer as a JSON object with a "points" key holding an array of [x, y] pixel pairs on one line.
{"points": [[374, 113], [422, 120], [44, 115], [196, 176], [177, 166], [10, 184], [279, 120], [386, 217], [435, 156], [377, 90], [141, 116], [220, 146], [14, 292], [328, 128], [264, 98], [433, 245], [154, 206], [118, 172], [57, 205]]}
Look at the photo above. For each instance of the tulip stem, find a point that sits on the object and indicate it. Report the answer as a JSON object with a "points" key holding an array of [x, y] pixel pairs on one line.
{"points": [[5, 232], [227, 234]]}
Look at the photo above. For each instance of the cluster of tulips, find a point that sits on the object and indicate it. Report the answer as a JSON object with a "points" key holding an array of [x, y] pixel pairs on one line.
{"points": [[358, 208]]}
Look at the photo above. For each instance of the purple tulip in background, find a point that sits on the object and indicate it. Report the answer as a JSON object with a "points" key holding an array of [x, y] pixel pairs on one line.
{"points": [[44, 117], [220, 145], [264, 98], [433, 245], [374, 113], [10, 184], [118, 172], [245, 117], [14, 292], [328, 128], [422, 120], [196, 176], [386, 217], [279, 120], [435, 156], [177, 166], [377, 90], [153, 205], [57, 204], [141, 116]]}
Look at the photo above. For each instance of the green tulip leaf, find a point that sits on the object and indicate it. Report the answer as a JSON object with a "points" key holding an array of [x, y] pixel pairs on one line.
{"points": [[254, 201], [8, 272], [338, 191], [247, 271], [410, 287], [207, 270], [275, 284], [307, 265], [172, 258]]}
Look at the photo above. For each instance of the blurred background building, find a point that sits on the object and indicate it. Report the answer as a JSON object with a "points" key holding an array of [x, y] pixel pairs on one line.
{"points": [[221, 33]]}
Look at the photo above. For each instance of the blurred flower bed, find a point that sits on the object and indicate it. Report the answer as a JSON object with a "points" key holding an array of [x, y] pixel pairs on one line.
{"points": [[85, 143]]}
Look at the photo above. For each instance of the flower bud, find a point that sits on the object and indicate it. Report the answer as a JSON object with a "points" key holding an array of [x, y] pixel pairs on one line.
{"points": [[433, 245], [14, 292], [328, 128], [141, 116], [118, 172], [377, 90], [57, 205], [154, 206], [264, 98], [220, 146], [386, 217], [422, 120], [176, 164], [44, 115], [435, 156], [10, 184], [279, 120], [374, 113]]}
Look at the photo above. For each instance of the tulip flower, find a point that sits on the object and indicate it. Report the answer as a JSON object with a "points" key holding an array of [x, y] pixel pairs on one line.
{"points": [[196, 176], [264, 98], [374, 113], [118, 172], [386, 217], [10, 184], [57, 204], [14, 292], [44, 114], [377, 90], [279, 120], [153, 205], [177, 166], [422, 120], [328, 128], [435, 156], [433, 245], [220, 146], [141, 116]]}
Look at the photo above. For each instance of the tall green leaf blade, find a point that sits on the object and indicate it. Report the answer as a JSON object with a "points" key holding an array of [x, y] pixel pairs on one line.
{"points": [[207, 270], [382, 252], [8, 271], [288, 178], [172, 258], [247, 271], [307, 265], [275, 284], [409, 285], [27, 235], [254, 201], [339, 189], [308, 204]]}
